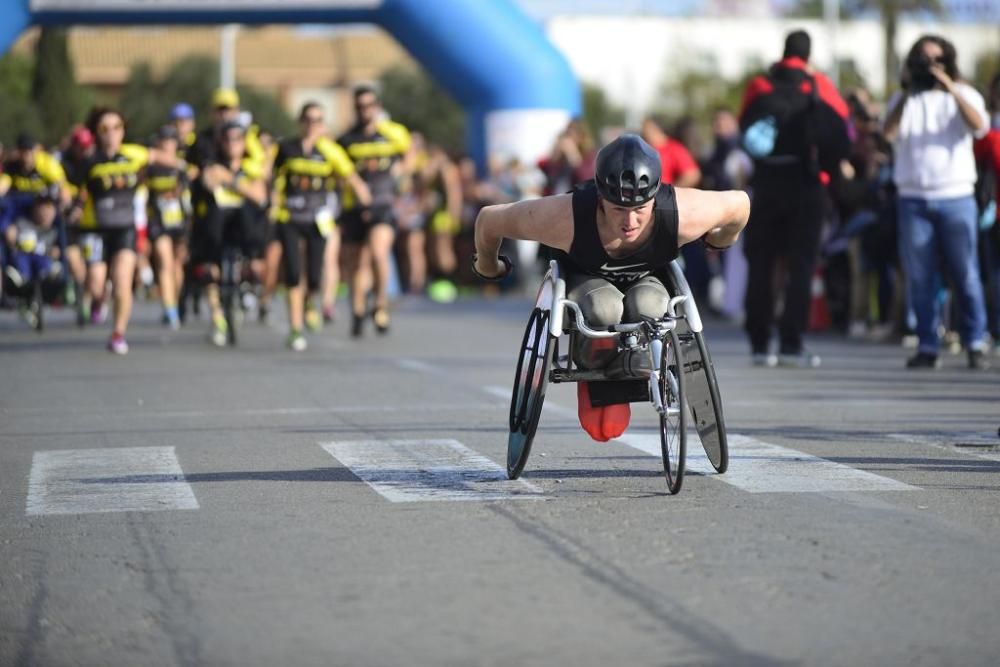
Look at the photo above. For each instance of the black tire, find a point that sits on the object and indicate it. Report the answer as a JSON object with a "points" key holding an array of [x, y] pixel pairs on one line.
{"points": [[720, 458], [673, 419], [530, 382], [703, 397]]}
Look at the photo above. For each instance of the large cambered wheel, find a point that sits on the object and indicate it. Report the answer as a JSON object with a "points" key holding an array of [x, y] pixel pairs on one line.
{"points": [[530, 381]]}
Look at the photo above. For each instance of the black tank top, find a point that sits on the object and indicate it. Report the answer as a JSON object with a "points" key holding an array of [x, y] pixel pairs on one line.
{"points": [[587, 254]]}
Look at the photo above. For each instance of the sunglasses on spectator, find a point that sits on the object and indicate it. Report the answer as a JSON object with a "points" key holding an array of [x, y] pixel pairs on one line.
{"points": [[113, 127], [361, 106], [312, 120]]}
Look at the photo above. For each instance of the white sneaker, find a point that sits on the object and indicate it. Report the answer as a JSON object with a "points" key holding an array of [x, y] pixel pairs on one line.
{"points": [[764, 360], [297, 342]]}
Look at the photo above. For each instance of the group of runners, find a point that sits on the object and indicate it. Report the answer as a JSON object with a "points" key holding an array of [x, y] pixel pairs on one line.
{"points": [[106, 211]]}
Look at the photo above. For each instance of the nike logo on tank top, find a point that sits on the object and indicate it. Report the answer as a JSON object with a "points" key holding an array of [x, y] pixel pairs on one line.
{"points": [[587, 254]]}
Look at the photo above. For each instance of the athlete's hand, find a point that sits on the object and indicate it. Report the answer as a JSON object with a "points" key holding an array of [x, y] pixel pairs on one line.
{"points": [[492, 269]]}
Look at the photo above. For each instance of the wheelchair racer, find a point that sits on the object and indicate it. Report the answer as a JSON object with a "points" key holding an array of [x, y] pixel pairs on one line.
{"points": [[611, 237]]}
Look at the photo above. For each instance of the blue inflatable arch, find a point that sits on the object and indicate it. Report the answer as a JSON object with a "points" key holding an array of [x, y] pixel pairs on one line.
{"points": [[516, 88]]}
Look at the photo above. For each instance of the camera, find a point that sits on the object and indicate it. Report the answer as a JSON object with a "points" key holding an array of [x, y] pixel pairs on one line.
{"points": [[920, 76]]}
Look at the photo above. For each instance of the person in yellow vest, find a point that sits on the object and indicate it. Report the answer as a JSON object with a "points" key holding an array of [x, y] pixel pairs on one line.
{"points": [[307, 170], [108, 221], [377, 146]]}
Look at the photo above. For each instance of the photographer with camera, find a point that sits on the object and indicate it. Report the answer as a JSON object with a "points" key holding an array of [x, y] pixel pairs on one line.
{"points": [[932, 123]]}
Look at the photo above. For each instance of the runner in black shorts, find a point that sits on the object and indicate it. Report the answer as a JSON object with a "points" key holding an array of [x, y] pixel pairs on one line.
{"points": [[376, 145], [169, 215], [107, 223], [307, 169], [226, 197]]}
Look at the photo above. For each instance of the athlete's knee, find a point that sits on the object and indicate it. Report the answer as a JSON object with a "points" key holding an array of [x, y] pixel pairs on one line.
{"points": [[646, 301], [602, 307]]}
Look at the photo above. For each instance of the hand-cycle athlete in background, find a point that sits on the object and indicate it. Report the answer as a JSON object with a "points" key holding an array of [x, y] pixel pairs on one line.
{"points": [[611, 236]]}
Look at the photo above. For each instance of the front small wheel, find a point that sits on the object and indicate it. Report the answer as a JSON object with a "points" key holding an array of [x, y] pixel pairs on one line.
{"points": [[673, 414], [530, 382]]}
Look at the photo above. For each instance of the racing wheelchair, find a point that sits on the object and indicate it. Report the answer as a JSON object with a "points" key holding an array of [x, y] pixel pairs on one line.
{"points": [[677, 373]]}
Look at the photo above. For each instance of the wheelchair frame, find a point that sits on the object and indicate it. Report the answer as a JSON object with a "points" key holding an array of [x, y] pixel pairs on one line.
{"points": [[668, 342]]}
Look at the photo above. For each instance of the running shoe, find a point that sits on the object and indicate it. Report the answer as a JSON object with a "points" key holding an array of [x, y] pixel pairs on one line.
{"points": [[764, 360], [14, 276], [357, 325], [98, 313], [314, 321], [296, 341], [328, 315], [381, 319], [172, 318], [117, 344], [978, 360], [220, 328], [923, 360], [799, 360], [442, 291]]}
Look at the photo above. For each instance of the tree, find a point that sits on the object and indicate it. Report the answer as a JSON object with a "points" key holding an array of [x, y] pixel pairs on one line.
{"points": [[146, 100], [17, 113], [890, 12], [599, 112], [59, 101], [419, 103]]}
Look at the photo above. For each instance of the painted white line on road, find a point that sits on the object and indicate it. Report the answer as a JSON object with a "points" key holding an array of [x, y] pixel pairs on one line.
{"points": [[978, 444], [761, 467], [428, 470], [131, 479]]}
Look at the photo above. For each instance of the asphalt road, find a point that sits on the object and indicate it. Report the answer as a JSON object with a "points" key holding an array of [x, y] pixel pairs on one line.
{"points": [[187, 505]]}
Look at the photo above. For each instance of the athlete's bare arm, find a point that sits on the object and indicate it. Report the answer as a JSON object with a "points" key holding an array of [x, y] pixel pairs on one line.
{"points": [[548, 220], [719, 217]]}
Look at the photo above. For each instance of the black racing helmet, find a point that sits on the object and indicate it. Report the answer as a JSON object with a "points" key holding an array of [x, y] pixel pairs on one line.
{"points": [[628, 171]]}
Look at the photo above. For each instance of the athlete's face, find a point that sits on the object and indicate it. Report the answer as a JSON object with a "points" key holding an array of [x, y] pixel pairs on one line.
{"points": [[628, 223], [110, 132], [233, 143], [367, 107], [312, 123]]}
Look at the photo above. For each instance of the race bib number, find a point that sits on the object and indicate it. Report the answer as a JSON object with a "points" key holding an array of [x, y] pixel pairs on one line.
{"points": [[324, 222], [92, 246], [171, 212]]}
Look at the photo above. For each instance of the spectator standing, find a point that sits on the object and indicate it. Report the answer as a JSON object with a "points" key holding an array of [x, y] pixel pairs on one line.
{"points": [[987, 152], [932, 122], [808, 119]]}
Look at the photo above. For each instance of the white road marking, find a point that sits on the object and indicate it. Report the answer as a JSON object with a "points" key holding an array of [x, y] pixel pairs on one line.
{"points": [[761, 467], [131, 479], [428, 470], [980, 445]]}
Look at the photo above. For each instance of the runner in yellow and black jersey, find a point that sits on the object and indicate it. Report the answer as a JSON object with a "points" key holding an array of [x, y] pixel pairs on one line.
{"points": [[376, 145], [168, 210], [226, 197], [32, 171], [114, 173], [307, 170]]}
